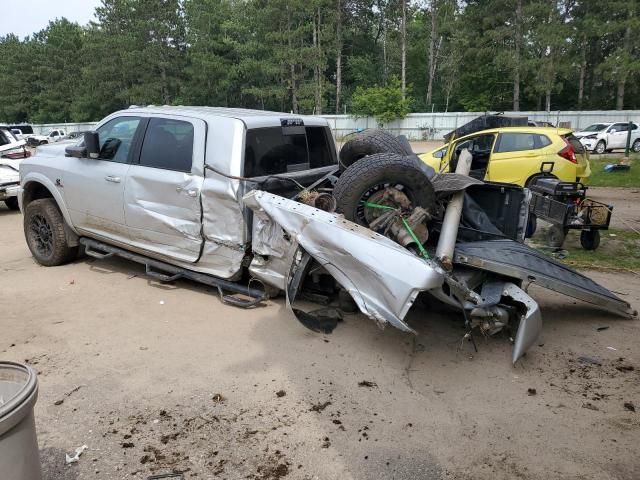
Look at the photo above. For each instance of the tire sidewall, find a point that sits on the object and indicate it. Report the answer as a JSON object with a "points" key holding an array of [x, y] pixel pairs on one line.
{"points": [[604, 147]]}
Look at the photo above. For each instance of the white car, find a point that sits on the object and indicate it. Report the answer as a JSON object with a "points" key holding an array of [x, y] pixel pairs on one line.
{"points": [[605, 137], [51, 137]]}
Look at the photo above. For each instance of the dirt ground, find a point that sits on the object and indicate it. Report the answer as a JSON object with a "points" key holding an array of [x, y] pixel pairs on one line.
{"points": [[625, 201], [155, 378]]}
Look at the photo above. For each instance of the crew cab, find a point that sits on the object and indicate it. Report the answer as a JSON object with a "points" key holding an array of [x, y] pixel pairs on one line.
{"points": [[245, 201]]}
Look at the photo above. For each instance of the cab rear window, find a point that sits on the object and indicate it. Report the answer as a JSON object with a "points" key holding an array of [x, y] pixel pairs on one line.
{"points": [[277, 150]]}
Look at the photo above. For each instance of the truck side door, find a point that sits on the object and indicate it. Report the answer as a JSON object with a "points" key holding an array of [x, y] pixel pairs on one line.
{"points": [[94, 188], [162, 192]]}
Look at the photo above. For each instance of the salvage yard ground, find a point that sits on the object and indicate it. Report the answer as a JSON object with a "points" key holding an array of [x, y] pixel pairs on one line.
{"points": [[155, 377]]}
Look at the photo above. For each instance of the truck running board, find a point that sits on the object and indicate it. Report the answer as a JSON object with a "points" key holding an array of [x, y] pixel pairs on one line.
{"points": [[165, 272]]}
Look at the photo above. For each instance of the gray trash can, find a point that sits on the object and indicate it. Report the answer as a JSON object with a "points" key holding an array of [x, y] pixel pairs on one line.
{"points": [[19, 457]]}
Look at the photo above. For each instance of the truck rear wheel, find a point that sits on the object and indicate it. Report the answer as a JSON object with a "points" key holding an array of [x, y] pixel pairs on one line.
{"points": [[369, 177], [44, 231], [371, 142]]}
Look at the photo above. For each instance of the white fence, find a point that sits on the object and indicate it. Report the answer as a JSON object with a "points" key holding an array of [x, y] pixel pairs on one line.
{"points": [[430, 126]]}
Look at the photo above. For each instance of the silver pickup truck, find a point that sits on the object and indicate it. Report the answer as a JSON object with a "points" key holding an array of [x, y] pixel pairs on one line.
{"points": [[255, 203]]}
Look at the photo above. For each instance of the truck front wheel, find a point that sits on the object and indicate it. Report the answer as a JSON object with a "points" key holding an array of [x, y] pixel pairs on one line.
{"points": [[44, 231]]}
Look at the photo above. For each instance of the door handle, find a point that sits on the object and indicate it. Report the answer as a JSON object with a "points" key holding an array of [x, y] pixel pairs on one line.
{"points": [[193, 192], [112, 179]]}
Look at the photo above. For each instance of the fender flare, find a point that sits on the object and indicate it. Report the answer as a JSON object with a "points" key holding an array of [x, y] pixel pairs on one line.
{"points": [[55, 193]]}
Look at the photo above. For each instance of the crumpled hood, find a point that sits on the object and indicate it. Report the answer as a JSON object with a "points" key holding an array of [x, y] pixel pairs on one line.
{"points": [[585, 134]]}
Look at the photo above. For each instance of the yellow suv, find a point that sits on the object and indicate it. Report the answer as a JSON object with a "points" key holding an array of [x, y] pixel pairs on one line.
{"points": [[516, 155]]}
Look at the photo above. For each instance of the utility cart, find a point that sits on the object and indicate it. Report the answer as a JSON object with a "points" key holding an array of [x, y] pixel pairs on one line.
{"points": [[566, 206]]}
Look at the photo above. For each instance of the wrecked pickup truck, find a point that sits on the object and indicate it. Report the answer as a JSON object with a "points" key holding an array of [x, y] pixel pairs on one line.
{"points": [[255, 203]]}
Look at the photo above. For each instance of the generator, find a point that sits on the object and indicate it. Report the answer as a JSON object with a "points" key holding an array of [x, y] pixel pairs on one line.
{"points": [[566, 206]]}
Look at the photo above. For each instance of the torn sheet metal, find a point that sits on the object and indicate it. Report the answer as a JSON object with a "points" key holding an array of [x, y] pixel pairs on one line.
{"points": [[515, 260], [382, 277], [273, 251]]}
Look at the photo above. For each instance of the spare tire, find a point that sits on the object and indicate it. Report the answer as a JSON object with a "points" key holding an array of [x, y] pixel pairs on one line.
{"points": [[369, 176], [371, 142]]}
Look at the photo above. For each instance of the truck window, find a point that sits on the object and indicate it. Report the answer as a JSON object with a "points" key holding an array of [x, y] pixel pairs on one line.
{"points": [[116, 137], [274, 150], [168, 144]]}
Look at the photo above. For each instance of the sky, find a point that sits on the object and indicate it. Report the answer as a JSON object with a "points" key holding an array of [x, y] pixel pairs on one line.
{"points": [[24, 17]]}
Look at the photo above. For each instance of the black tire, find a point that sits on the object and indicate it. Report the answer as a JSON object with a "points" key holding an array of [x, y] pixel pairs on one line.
{"points": [[636, 146], [12, 203], [370, 142], [590, 239], [533, 178], [44, 231], [371, 174], [532, 225], [43, 142], [555, 236], [600, 147]]}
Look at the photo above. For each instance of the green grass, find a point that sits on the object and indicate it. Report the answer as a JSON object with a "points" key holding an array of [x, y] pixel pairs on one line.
{"points": [[599, 178], [620, 252]]}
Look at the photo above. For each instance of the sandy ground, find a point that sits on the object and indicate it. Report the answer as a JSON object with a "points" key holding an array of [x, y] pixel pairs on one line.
{"points": [[154, 378]]}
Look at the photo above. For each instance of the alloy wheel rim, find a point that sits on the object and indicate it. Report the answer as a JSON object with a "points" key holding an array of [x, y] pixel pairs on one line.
{"points": [[41, 235]]}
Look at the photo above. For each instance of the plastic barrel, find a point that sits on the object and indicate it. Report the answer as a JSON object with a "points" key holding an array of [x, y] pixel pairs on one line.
{"points": [[19, 457]]}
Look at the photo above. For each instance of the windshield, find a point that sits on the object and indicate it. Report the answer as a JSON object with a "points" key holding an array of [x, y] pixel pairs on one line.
{"points": [[596, 127]]}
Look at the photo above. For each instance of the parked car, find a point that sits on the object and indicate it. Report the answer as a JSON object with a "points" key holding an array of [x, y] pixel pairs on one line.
{"points": [[9, 184], [540, 123], [606, 137], [516, 155], [76, 135], [220, 195], [51, 137], [11, 151], [12, 147]]}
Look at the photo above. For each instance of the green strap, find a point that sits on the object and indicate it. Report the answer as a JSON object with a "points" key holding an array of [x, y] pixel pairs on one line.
{"points": [[421, 248]]}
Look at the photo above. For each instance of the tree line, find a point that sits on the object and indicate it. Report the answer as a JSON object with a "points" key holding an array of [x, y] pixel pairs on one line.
{"points": [[327, 56]]}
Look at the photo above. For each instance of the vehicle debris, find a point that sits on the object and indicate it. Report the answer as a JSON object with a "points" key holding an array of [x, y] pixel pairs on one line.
{"points": [[367, 383], [76, 456]]}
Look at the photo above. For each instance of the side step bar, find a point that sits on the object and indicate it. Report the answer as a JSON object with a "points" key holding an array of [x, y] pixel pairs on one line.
{"points": [[165, 272]]}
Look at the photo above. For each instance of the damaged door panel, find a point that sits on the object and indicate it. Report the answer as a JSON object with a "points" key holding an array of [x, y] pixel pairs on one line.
{"points": [[162, 205]]}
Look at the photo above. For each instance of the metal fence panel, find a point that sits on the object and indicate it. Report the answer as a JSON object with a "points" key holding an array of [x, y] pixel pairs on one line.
{"points": [[428, 126]]}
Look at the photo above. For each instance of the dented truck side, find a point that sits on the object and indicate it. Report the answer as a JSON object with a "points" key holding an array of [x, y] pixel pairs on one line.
{"points": [[229, 197]]}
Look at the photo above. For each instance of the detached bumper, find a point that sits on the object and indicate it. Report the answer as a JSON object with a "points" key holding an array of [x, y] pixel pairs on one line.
{"points": [[589, 143]]}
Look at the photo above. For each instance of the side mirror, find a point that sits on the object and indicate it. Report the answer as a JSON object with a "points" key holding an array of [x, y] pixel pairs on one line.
{"points": [[613, 130], [92, 144]]}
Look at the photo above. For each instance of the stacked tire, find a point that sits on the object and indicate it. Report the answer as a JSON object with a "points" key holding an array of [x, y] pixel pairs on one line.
{"points": [[375, 159]]}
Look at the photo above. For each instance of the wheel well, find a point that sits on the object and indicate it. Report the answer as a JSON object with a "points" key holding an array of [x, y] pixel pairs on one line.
{"points": [[34, 191]]}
